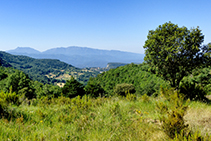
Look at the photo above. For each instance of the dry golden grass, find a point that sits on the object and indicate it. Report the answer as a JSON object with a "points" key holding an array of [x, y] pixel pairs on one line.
{"points": [[199, 117]]}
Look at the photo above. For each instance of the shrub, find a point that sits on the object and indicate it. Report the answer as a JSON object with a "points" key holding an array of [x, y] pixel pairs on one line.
{"points": [[6, 99], [131, 97], [192, 136], [21, 85], [123, 89], [172, 116], [94, 90], [73, 88], [192, 90], [145, 98], [9, 97]]}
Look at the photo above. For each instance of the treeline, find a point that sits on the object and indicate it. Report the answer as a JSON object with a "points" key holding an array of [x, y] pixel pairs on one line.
{"points": [[105, 84], [17, 81]]}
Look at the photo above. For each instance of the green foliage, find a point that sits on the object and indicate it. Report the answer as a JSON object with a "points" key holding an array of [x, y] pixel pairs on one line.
{"points": [[94, 89], [131, 97], [172, 116], [46, 90], [145, 98], [7, 99], [192, 136], [173, 52], [192, 90], [200, 77], [4, 63], [73, 88], [25, 87], [124, 89], [21, 84], [2, 75], [143, 81]]}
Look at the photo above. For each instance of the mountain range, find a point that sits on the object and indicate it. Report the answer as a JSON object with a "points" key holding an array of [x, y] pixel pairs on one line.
{"points": [[81, 57]]}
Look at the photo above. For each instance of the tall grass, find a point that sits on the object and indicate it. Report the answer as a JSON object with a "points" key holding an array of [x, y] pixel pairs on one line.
{"points": [[112, 118]]}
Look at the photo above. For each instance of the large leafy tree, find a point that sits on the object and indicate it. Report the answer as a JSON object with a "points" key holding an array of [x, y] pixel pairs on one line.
{"points": [[173, 52]]}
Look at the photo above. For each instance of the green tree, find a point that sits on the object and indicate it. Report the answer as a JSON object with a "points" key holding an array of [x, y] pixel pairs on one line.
{"points": [[21, 84], [94, 89], [73, 88], [46, 90], [173, 52]]}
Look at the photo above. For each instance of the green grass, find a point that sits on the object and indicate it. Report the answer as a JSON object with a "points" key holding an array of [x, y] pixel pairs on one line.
{"points": [[114, 118]]}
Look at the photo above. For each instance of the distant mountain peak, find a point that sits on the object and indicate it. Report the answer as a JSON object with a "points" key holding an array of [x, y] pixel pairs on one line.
{"points": [[24, 50]]}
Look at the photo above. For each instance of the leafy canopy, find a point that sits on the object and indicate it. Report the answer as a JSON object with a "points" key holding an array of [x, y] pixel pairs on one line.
{"points": [[73, 88], [173, 52]]}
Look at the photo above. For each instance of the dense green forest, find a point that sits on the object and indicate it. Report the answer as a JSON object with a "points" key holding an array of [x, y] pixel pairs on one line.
{"points": [[131, 102]]}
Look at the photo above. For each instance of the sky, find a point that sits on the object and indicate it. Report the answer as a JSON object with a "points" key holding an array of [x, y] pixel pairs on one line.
{"points": [[101, 24]]}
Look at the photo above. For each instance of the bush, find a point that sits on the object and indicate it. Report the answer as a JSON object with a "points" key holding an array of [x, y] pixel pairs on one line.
{"points": [[73, 88], [124, 89], [6, 99], [94, 90], [131, 97], [192, 90], [10, 97], [172, 115], [21, 85], [192, 136], [145, 98]]}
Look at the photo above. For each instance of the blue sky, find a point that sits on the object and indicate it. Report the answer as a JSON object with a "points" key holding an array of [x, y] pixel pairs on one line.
{"points": [[102, 24]]}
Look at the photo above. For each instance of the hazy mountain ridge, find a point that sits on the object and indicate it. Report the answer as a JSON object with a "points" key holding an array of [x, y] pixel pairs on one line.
{"points": [[24, 50], [81, 57]]}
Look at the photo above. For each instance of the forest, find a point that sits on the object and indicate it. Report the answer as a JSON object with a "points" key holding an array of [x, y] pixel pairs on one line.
{"points": [[167, 97]]}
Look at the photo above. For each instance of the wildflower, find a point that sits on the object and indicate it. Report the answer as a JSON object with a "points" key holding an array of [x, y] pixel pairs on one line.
{"points": [[146, 113]]}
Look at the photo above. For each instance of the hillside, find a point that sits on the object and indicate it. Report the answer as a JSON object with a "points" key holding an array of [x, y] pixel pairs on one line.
{"points": [[81, 57], [138, 75], [4, 63], [47, 70]]}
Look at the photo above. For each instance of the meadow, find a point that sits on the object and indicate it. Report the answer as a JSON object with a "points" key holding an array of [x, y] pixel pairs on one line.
{"points": [[101, 118]]}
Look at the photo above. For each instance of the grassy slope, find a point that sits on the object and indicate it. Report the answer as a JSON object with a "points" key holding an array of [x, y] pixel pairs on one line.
{"points": [[113, 118]]}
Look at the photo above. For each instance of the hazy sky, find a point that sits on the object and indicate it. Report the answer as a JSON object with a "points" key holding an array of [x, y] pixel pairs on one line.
{"points": [[103, 24]]}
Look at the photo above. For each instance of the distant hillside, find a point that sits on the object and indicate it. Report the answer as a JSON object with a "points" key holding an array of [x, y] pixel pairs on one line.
{"points": [[82, 57], [4, 63], [47, 70]]}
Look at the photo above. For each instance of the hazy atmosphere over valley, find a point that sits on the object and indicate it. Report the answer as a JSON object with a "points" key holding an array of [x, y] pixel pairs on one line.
{"points": [[100, 24]]}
